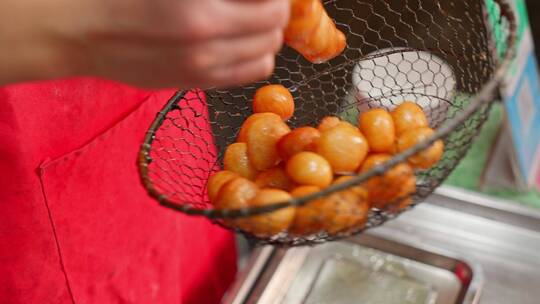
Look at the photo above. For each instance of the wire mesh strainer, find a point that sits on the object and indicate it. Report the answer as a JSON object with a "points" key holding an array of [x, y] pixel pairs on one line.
{"points": [[444, 55]]}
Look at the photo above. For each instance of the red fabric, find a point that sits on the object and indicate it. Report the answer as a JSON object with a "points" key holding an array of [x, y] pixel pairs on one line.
{"points": [[76, 226]]}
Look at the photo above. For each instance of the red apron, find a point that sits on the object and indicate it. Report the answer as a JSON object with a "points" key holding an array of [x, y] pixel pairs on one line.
{"points": [[76, 226]]}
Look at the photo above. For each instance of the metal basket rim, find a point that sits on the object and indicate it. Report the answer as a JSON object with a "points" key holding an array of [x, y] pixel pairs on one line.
{"points": [[486, 93]]}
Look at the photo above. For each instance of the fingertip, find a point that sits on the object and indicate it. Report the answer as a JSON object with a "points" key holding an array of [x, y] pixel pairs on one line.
{"points": [[283, 13], [240, 17], [245, 72], [267, 65], [277, 41]]}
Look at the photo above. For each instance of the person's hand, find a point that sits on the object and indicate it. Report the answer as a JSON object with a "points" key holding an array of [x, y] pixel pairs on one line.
{"points": [[150, 43]]}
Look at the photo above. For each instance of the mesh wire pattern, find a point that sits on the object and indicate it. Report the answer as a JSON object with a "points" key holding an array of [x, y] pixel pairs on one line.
{"points": [[441, 54]]}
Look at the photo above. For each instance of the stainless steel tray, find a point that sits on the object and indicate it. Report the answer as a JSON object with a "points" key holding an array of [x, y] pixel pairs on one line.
{"points": [[363, 270]]}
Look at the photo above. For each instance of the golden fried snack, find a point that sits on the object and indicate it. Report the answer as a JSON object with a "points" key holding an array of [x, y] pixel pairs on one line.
{"points": [[272, 223], [385, 189], [262, 131], [344, 210], [274, 98], [426, 158], [378, 128], [408, 116], [299, 140], [309, 169], [334, 213], [216, 181], [236, 194], [274, 178], [236, 160], [312, 32], [328, 122], [308, 218], [343, 146]]}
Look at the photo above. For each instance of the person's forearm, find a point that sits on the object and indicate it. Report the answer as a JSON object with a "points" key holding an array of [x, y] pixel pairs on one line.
{"points": [[150, 43]]}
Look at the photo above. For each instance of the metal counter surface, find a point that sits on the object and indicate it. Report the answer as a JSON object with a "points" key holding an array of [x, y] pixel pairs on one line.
{"points": [[501, 237]]}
